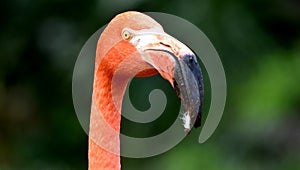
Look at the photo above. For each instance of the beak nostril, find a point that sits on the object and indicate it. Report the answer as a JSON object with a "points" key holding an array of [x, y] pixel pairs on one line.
{"points": [[167, 45]]}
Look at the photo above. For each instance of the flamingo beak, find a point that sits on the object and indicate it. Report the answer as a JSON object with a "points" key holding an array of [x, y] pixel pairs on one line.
{"points": [[176, 63]]}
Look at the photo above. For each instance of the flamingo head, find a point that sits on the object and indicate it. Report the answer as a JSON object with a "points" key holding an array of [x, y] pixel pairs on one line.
{"points": [[154, 51]]}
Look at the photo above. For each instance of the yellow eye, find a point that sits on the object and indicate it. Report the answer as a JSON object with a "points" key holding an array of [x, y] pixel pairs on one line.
{"points": [[126, 35]]}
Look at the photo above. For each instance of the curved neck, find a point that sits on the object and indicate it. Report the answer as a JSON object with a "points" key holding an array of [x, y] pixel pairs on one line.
{"points": [[104, 147]]}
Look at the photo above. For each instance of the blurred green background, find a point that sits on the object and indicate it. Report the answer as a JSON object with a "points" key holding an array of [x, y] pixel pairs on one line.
{"points": [[258, 42]]}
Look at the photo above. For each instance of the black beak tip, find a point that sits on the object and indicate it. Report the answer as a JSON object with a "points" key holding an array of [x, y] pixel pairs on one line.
{"points": [[192, 65]]}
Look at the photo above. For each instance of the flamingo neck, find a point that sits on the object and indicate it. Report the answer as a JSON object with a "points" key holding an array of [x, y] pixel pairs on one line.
{"points": [[104, 142]]}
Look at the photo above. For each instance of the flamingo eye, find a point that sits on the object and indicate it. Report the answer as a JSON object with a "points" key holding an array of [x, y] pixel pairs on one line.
{"points": [[126, 35]]}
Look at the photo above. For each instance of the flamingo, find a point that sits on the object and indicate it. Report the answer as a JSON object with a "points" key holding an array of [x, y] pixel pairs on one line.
{"points": [[134, 44]]}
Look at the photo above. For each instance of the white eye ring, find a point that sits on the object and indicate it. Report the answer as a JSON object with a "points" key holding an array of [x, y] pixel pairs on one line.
{"points": [[126, 35]]}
